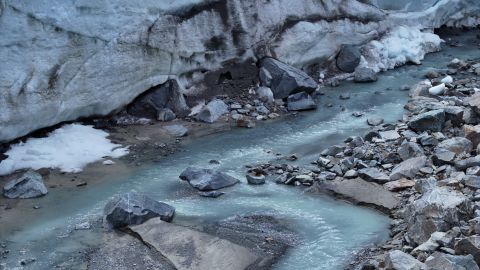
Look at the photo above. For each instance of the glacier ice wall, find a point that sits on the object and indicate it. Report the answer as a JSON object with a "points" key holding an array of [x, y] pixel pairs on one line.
{"points": [[66, 59]]}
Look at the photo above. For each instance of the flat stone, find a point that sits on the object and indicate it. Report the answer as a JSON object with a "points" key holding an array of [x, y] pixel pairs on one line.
{"points": [[467, 163], [211, 194], [445, 261], [389, 135], [361, 192], [177, 130], [408, 168], [188, 249], [373, 175], [399, 185]]}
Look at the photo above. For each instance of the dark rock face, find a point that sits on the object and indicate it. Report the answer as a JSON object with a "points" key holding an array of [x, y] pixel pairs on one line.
{"points": [[133, 209], [348, 58], [429, 121], [207, 179], [285, 79], [364, 74], [29, 185], [151, 103], [300, 102]]}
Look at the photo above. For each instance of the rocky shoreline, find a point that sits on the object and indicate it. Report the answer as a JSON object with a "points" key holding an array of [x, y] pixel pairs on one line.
{"points": [[424, 172]]}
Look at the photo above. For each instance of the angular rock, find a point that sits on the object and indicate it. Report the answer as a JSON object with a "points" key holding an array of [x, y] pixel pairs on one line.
{"points": [[469, 246], [365, 74], [472, 181], [389, 135], [375, 121], [399, 185], [348, 58], [443, 156], [459, 145], [212, 111], [408, 168], [187, 249], [454, 114], [300, 102], [286, 80], [409, 150], [29, 185], [429, 121], [350, 174], [373, 175], [398, 260], [333, 150], [133, 208], [467, 163], [473, 134], [438, 209], [168, 95], [207, 179], [265, 94], [474, 102], [444, 261]]}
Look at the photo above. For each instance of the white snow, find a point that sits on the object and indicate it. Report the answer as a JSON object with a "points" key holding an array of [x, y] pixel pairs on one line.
{"points": [[447, 79], [437, 90], [69, 148], [401, 45]]}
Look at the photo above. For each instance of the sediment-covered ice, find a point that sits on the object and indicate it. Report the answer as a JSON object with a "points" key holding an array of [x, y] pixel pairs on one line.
{"points": [[69, 149]]}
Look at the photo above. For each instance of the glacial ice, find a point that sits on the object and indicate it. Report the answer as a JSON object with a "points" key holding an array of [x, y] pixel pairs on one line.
{"points": [[69, 148]]}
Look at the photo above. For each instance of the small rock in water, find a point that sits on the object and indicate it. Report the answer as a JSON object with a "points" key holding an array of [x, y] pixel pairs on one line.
{"points": [[166, 115], [207, 179], [300, 102], [214, 161], [375, 121], [177, 130], [437, 90], [357, 114], [365, 74], [211, 194], [255, 179], [344, 96]]}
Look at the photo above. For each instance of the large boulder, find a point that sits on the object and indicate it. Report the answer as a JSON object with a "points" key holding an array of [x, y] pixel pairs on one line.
{"points": [[133, 208], [212, 111], [29, 185], [188, 249], [398, 260], [408, 168], [439, 260], [207, 179], [428, 121], [300, 102], [285, 79], [438, 209], [348, 58], [166, 96]]}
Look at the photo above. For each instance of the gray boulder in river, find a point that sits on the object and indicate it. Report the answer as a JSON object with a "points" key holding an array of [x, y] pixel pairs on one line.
{"points": [[285, 80], [207, 179], [29, 185], [133, 208], [300, 102]]}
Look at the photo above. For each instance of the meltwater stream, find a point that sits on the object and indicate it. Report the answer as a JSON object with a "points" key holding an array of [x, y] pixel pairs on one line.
{"points": [[329, 230]]}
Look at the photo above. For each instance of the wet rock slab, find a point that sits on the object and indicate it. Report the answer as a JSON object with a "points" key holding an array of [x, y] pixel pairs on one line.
{"points": [[188, 249]]}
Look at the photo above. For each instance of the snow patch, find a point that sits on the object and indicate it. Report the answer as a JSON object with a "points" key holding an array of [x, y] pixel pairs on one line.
{"points": [[401, 45], [69, 148]]}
